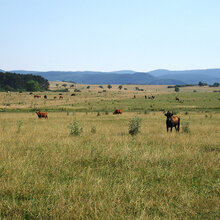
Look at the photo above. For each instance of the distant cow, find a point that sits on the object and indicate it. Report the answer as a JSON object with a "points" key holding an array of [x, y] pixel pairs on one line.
{"points": [[42, 114], [117, 111], [134, 96], [172, 121], [73, 94], [60, 94], [60, 97], [45, 97], [37, 96], [54, 97], [177, 99], [151, 97]]}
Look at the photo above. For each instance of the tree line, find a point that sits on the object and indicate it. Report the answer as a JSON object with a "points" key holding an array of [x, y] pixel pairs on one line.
{"points": [[22, 82]]}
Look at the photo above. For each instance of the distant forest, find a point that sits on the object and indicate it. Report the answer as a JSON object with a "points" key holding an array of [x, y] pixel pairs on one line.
{"points": [[22, 82]]}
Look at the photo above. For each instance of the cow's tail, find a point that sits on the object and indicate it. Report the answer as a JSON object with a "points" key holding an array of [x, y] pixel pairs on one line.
{"points": [[178, 124]]}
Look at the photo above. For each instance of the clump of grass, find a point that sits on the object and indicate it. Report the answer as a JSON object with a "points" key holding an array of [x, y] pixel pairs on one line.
{"points": [[175, 111], [186, 127], [93, 129], [106, 112], [75, 128], [146, 112], [67, 113], [186, 112], [98, 113], [19, 124], [134, 126]]}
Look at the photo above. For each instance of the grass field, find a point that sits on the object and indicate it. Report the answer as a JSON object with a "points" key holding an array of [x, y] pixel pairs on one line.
{"points": [[105, 173]]}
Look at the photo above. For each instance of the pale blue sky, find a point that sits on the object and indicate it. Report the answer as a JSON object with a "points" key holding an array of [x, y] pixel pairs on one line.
{"points": [[107, 35]]}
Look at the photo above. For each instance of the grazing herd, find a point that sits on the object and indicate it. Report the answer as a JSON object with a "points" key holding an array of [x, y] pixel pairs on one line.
{"points": [[171, 121]]}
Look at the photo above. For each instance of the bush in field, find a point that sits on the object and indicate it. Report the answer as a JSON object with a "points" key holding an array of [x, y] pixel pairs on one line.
{"points": [[134, 126], [75, 129], [185, 127], [93, 129], [19, 124], [98, 113], [176, 89]]}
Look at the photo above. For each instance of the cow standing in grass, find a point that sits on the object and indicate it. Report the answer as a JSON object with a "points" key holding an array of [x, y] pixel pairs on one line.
{"points": [[172, 121], [42, 114], [37, 96], [117, 111]]}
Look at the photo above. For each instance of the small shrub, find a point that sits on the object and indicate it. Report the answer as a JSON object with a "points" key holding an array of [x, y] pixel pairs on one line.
{"points": [[186, 112], [98, 113], [67, 113], [19, 124], [146, 112], [106, 112], [75, 129], [175, 111], [194, 90], [134, 126], [185, 127], [93, 129]]}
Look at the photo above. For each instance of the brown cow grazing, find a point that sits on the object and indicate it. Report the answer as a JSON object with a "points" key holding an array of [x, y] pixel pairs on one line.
{"points": [[60, 97], [177, 99], [42, 114], [117, 111], [172, 121], [37, 96]]}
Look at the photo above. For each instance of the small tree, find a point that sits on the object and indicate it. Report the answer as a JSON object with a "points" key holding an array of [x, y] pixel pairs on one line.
{"points": [[101, 87], [177, 89], [88, 87], [120, 87], [32, 86], [64, 85], [109, 86]]}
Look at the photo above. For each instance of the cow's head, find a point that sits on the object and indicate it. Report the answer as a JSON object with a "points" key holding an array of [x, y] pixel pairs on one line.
{"points": [[169, 115]]}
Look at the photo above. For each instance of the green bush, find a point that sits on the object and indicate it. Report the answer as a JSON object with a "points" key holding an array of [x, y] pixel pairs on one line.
{"points": [[185, 127], [134, 126], [75, 129], [93, 129]]}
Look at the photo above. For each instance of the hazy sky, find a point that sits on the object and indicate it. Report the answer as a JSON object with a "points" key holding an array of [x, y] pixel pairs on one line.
{"points": [[109, 35]]}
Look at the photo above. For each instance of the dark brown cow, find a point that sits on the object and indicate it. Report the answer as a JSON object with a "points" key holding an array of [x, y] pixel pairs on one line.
{"points": [[134, 96], [37, 96], [172, 121], [117, 111], [60, 97], [42, 114], [151, 97]]}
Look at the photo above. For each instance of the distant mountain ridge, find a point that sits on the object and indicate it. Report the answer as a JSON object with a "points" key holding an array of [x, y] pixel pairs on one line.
{"points": [[156, 77]]}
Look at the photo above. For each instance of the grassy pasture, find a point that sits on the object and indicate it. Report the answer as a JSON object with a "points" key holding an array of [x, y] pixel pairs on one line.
{"points": [[47, 174]]}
